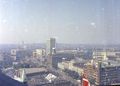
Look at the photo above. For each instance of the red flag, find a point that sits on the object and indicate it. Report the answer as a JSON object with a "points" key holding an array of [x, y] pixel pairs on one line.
{"points": [[85, 82]]}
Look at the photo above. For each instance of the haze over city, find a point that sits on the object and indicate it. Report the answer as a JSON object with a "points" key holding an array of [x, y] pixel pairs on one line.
{"points": [[59, 42], [69, 21]]}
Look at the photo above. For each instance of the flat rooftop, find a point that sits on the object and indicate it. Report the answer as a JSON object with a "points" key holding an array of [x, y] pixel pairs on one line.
{"points": [[35, 70], [110, 63]]}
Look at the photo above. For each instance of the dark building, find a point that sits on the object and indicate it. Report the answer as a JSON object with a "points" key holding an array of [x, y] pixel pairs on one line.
{"points": [[56, 58], [20, 54], [109, 74], [7, 81]]}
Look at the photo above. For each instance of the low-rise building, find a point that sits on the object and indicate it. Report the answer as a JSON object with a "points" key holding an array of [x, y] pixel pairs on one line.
{"points": [[38, 53], [71, 65]]}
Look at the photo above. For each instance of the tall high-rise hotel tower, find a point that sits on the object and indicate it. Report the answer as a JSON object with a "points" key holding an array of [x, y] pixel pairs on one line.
{"points": [[50, 46]]}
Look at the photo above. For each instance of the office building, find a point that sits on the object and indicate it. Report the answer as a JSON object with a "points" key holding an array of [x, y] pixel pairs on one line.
{"points": [[103, 73], [51, 46]]}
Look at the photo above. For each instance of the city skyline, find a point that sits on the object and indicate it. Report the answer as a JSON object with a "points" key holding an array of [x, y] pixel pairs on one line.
{"points": [[69, 21]]}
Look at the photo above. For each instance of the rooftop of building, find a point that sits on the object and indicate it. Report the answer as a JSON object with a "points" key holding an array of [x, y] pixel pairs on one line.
{"points": [[110, 63], [46, 80], [80, 65], [7, 81], [104, 63], [34, 70]]}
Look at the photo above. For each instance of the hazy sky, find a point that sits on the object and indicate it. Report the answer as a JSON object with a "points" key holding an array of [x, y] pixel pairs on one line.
{"points": [[69, 21]]}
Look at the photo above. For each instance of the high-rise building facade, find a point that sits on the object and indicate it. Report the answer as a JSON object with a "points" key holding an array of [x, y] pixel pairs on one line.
{"points": [[109, 73], [103, 73], [50, 47]]}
